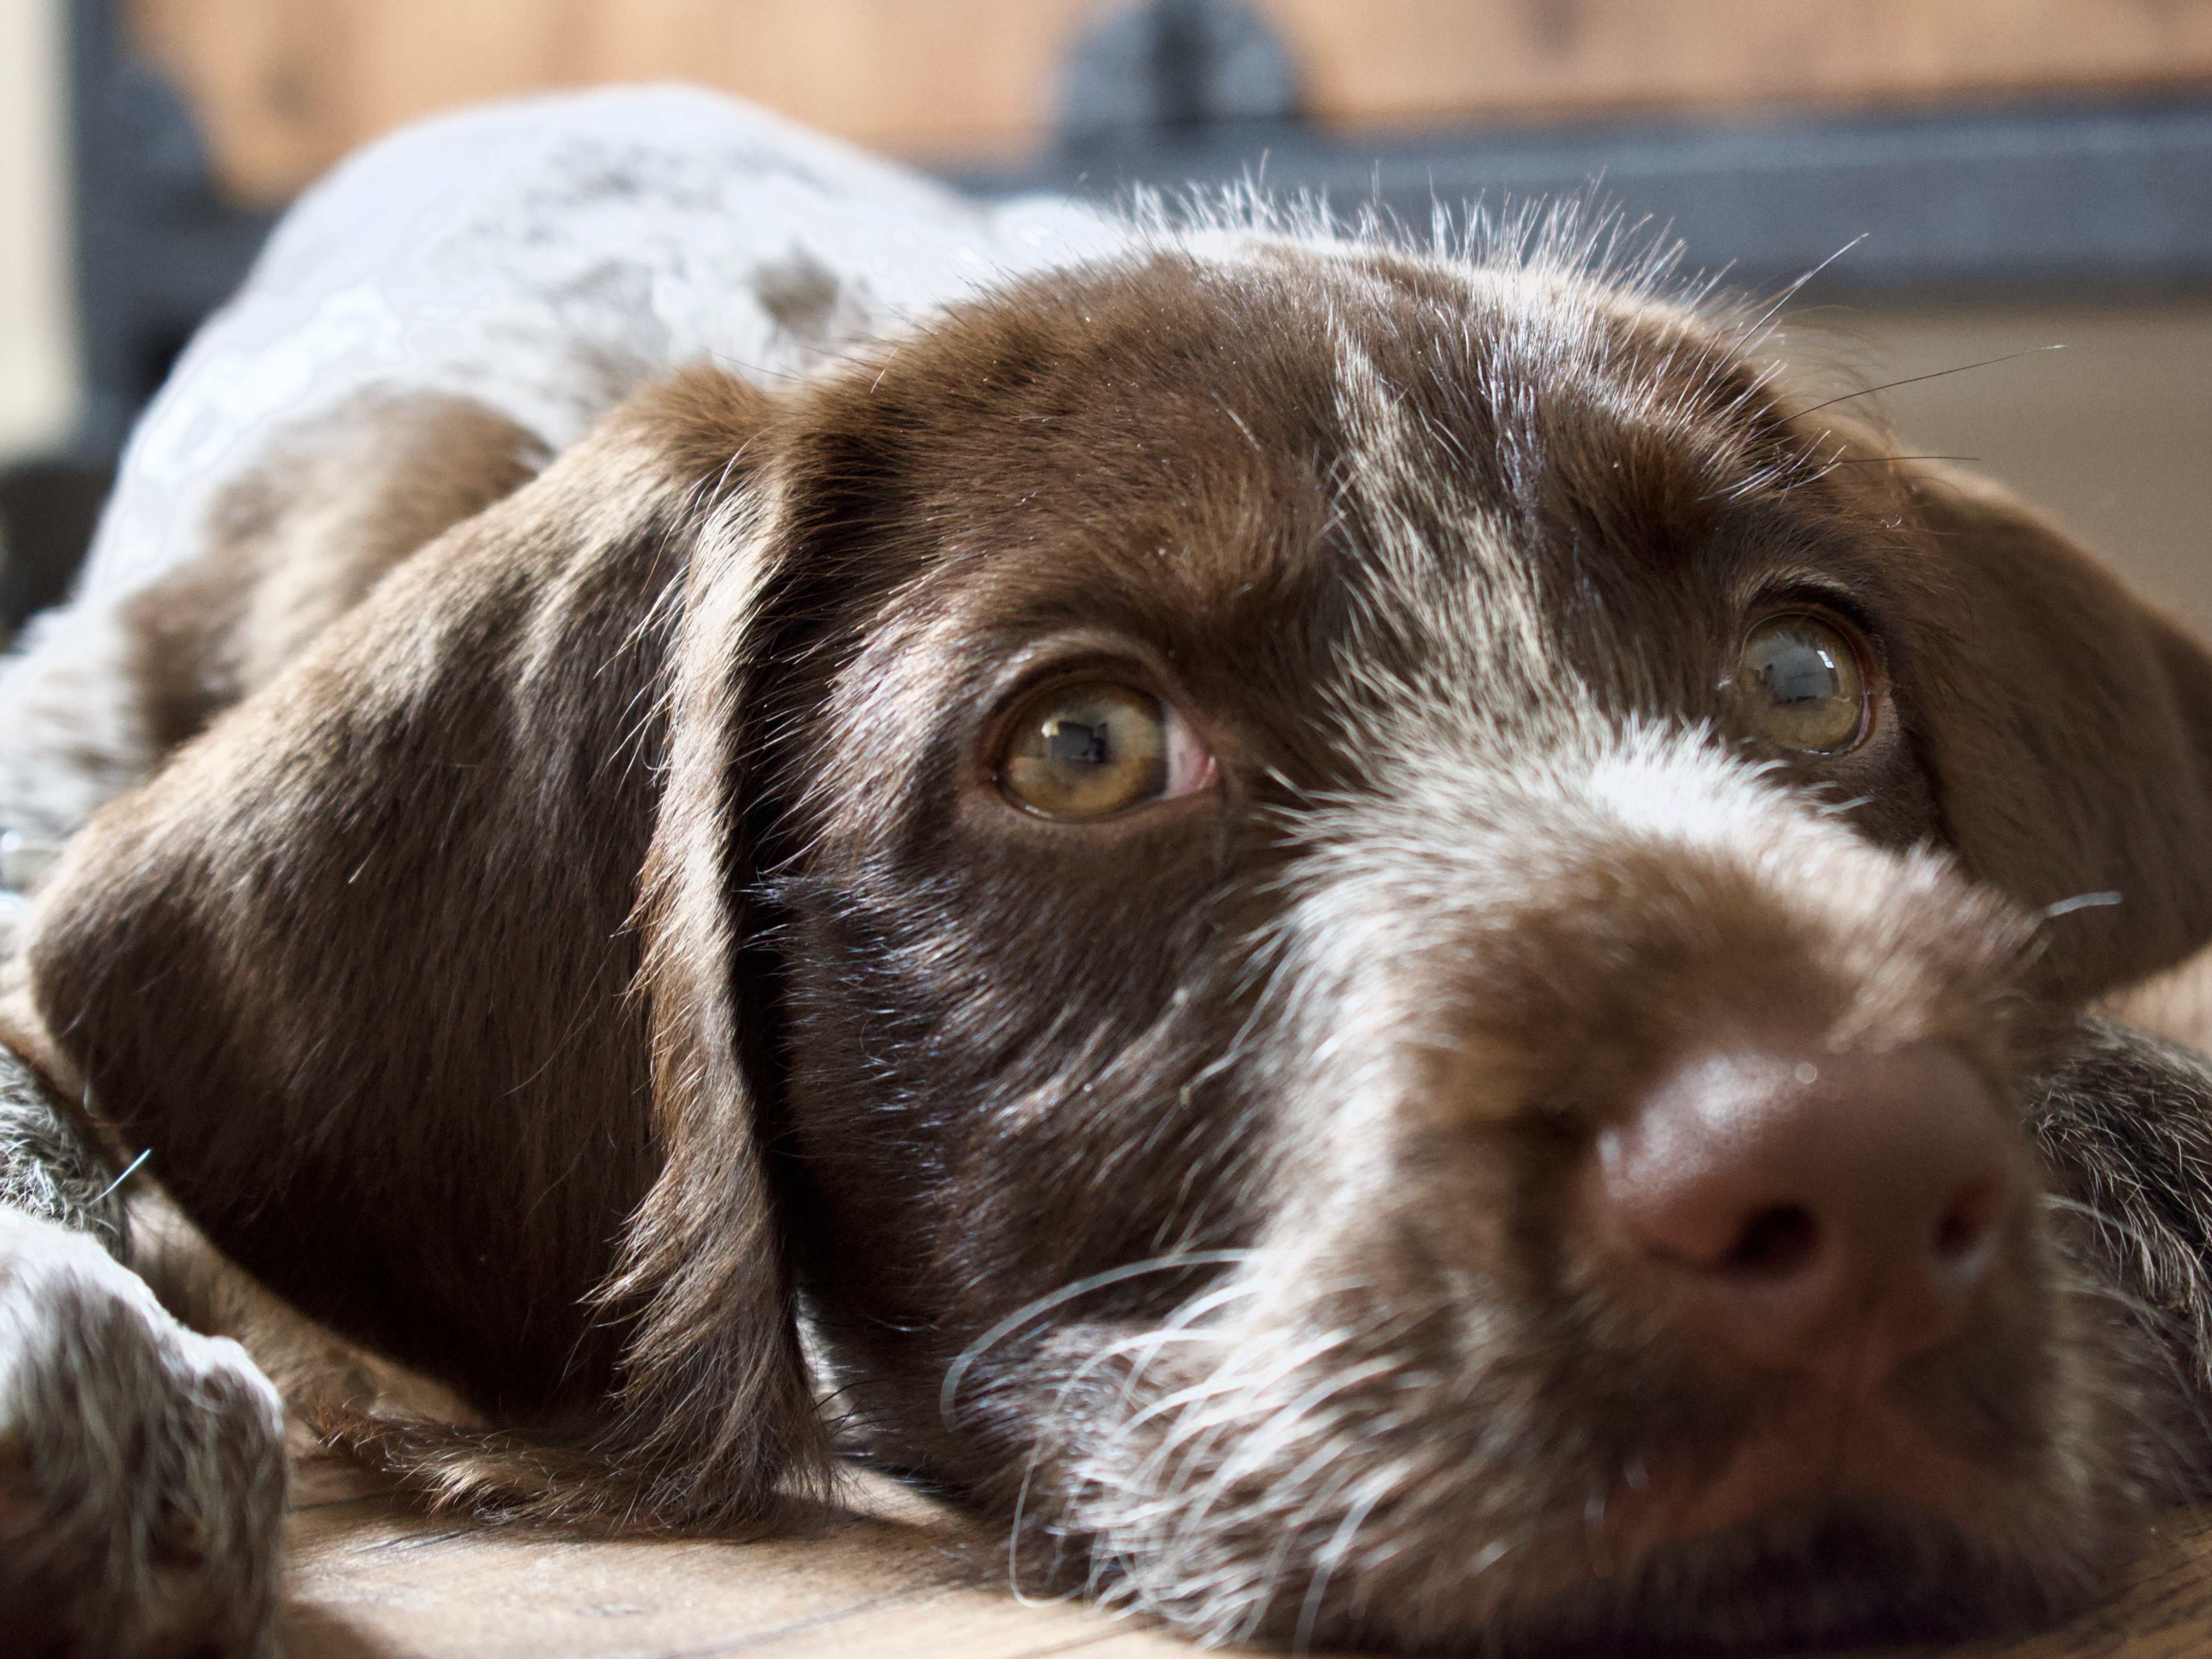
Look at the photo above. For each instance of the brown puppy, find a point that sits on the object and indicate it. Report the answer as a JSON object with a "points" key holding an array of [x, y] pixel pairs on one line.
{"points": [[1396, 960]]}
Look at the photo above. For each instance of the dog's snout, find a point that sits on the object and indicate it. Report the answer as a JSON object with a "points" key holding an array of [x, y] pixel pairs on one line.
{"points": [[1828, 1217]]}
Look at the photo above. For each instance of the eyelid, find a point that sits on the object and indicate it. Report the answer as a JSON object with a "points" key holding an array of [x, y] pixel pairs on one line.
{"points": [[1842, 610], [1191, 765]]}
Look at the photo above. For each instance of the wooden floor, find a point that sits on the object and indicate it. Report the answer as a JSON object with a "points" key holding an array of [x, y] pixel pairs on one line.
{"points": [[901, 1578]]}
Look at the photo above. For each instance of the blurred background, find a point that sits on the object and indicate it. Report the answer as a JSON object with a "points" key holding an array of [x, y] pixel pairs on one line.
{"points": [[1983, 177]]}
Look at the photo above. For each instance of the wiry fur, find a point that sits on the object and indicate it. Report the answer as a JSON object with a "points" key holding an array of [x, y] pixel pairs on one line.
{"points": [[48, 1171], [2126, 1120], [142, 1471], [609, 928]]}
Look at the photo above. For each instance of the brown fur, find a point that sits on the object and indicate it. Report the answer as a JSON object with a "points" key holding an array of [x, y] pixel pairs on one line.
{"points": [[296, 542], [611, 926]]}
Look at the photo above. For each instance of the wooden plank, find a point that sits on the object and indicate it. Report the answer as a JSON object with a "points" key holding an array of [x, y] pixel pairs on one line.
{"points": [[897, 1577], [285, 87], [1386, 62]]}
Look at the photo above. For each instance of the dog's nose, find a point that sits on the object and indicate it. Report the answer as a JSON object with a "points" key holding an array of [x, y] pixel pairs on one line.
{"points": [[1831, 1215]]}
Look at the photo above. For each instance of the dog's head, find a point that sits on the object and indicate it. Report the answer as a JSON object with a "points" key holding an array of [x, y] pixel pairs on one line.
{"points": [[1371, 1028], [1367, 926]]}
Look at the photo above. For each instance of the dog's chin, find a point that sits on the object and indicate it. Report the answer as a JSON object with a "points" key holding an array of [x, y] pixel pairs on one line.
{"points": [[1844, 1578], [1382, 1524]]}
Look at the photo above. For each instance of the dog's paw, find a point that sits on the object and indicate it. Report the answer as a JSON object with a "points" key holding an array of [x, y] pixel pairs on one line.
{"points": [[141, 1465]]}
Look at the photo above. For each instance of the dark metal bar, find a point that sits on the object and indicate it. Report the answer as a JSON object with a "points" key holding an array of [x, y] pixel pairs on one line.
{"points": [[2105, 194]]}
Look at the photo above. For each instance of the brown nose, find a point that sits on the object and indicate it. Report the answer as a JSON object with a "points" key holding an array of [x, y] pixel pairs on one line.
{"points": [[1831, 1215]]}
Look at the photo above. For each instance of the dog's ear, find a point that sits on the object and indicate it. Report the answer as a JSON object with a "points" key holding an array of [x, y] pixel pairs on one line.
{"points": [[2068, 727], [357, 968], [714, 1376]]}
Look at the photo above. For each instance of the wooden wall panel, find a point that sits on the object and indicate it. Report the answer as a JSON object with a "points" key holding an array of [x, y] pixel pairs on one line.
{"points": [[284, 87], [1388, 60]]}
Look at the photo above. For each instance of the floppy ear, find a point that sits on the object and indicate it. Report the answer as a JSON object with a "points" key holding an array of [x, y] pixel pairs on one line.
{"points": [[2069, 729], [713, 1378], [357, 967]]}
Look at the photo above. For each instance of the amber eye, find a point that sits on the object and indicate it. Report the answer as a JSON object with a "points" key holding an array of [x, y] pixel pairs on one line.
{"points": [[1081, 751], [1800, 684]]}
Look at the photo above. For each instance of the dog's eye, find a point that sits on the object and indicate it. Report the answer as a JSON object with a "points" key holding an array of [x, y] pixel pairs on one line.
{"points": [[1800, 684], [1081, 751]]}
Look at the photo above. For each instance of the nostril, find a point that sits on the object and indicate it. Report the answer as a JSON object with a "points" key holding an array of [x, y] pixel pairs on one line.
{"points": [[1970, 1220], [1778, 1241]]}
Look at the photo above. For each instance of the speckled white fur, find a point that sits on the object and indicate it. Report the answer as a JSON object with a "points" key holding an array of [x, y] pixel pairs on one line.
{"points": [[543, 257]]}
